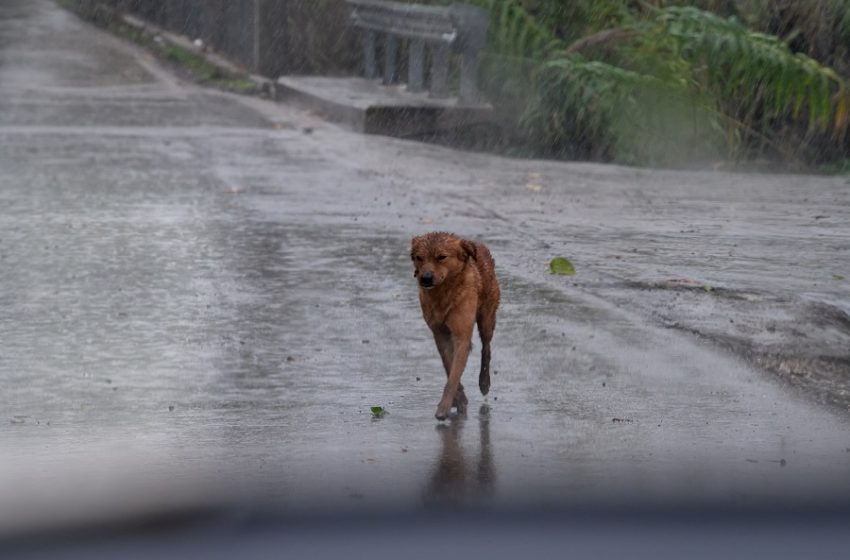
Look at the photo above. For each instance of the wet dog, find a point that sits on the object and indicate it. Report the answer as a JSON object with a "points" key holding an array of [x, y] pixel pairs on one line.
{"points": [[457, 289]]}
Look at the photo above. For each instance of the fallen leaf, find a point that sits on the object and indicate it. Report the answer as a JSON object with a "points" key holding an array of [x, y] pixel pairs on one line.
{"points": [[377, 411], [562, 266], [536, 187]]}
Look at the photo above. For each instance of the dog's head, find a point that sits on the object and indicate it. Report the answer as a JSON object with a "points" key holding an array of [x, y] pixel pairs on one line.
{"points": [[437, 256]]}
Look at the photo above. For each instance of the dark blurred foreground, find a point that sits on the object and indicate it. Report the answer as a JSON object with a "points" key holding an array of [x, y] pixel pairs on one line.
{"points": [[634, 533]]}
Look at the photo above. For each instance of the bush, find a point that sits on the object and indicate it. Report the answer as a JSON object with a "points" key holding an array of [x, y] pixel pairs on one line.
{"points": [[665, 84]]}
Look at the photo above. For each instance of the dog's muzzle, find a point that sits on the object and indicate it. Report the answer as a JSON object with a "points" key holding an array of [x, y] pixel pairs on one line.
{"points": [[427, 280]]}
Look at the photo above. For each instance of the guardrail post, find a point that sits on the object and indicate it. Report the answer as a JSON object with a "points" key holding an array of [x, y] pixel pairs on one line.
{"points": [[469, 77], [439, 70], [390, 60], [459, 28], [416, 66], [369, 57], [472, 23]]}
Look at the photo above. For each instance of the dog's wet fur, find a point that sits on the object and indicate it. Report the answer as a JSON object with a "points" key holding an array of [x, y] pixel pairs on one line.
{"points": [[457, 290]]}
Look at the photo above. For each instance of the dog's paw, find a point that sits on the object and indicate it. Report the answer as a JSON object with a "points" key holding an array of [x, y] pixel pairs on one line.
{"points": [[484, 383], [460, 402], [442, 412], [461, 407]]}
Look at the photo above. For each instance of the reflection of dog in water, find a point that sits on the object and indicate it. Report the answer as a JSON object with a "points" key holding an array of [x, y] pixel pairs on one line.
{"points": [[451, 482]]}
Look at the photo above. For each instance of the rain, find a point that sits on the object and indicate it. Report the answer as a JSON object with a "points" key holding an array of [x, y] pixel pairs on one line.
{"points": [[212, 341]]}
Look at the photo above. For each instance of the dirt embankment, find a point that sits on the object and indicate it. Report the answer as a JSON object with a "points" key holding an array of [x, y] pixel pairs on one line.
{"points": [[804, 343]]}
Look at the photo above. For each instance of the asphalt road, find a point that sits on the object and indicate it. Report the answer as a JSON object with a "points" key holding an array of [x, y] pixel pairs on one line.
{"points": [[203, 294]]}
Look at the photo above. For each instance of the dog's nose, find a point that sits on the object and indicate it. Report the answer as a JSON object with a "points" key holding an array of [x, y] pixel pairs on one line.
{"points": [[427, 279]]}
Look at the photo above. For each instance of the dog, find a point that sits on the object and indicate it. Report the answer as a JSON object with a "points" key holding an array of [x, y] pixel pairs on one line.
{"points": [[457, 289]]}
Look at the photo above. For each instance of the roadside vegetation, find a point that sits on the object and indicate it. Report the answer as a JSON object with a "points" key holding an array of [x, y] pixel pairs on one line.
{"points": [[761, 84], [712, 82], [186, 61]]}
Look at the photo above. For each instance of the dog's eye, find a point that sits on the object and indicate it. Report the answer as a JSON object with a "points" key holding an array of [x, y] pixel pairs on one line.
{"points": [[418, 258], [441, 258]]}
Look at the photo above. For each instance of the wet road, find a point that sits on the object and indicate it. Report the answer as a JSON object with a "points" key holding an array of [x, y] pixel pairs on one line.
{"points": [[203, 294]]}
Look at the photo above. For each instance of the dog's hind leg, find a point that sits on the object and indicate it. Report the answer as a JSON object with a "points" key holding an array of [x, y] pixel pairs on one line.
{"points": [[486, 327]]}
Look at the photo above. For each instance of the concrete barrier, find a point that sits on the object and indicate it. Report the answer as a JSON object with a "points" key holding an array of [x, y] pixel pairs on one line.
{"points": [[461, 28]]}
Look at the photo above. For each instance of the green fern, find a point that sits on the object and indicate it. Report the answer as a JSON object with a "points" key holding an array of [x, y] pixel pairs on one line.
{"points": [[518, 45], [515, 33], [746, 67], [679, 79], [589, 108]]}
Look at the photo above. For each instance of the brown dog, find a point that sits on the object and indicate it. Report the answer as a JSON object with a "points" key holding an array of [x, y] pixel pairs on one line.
{"points": [[457, 289]]}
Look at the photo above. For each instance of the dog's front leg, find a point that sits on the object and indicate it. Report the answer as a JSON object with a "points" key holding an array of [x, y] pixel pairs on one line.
{"points": [[461, 353], [460, 325], [443, 339]]}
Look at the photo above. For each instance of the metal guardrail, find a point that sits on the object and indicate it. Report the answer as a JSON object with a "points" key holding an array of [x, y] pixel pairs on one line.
{"points": [[459, 28]]}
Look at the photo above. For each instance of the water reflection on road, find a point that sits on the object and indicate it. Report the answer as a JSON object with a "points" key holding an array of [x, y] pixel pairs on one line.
{"points": [[455, 479]]}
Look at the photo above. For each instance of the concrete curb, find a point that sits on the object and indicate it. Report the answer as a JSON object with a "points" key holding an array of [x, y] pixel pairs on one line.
{"points": [[264, 85], [369, 107]]}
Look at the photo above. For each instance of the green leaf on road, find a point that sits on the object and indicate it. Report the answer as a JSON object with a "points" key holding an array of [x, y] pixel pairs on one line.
{"points": [[560, 265], [377, 411]]}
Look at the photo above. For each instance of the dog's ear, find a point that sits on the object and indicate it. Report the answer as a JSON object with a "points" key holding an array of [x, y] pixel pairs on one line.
{"points": [[414, 245], [469, 249]]}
